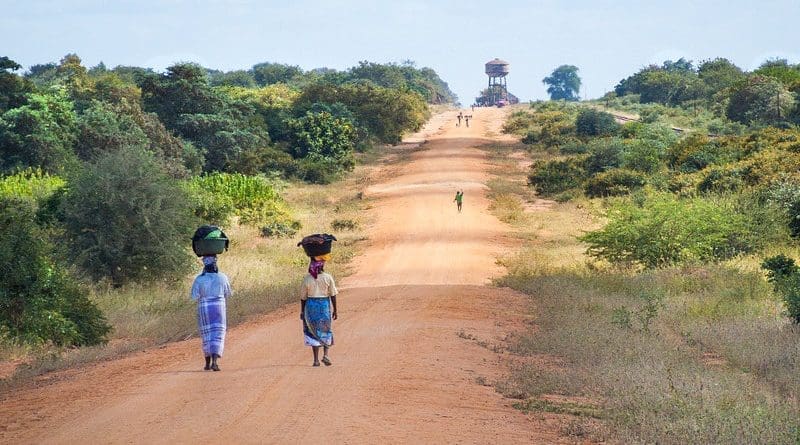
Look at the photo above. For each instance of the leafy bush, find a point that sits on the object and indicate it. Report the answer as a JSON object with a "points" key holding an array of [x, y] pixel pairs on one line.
{"points": [[552, 177], [280, 229], [325, 137], [39, 134], [591, 122], [127, 220], [727, 178], [39, 301], [642, 155], [786, 195], [318, 170], [615, 182], [209, 206], [666, 230], [604, 154], [575, 147], [784, 275]]}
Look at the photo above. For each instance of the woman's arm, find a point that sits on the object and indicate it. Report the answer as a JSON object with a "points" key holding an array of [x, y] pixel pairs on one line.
{"points": [[333, 302], [302, 309]]}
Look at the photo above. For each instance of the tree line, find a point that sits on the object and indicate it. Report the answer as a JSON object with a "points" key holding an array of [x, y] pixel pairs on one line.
{"points": [[766, 96]]}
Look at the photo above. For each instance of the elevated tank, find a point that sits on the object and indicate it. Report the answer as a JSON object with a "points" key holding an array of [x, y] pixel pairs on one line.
{"points": [[497, 68]]}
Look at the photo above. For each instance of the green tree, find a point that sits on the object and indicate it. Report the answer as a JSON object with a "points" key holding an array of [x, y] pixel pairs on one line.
{"points": [[424, 81], [321, 136], [39, 301], [225, 130], [591, 122], [40, 133], [268, 73], [385, 113], [13, 88], [760, 100], [127, 220], [669, 87], [239, 78], [718, 75], [780, 69], [101, 130], [670, 83], [563, 83]]}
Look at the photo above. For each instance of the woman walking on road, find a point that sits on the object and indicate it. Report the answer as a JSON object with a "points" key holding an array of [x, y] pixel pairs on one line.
{"points": [[210, 289], [318, 308]]}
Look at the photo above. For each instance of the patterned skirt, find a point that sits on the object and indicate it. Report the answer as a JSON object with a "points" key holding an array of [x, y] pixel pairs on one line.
{"points": [[317, 322], [213, 324]]}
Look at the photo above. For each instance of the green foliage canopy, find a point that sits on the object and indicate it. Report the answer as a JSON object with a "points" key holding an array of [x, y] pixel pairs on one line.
{"points": [[126, 220], [39, 301], [563, 83]]}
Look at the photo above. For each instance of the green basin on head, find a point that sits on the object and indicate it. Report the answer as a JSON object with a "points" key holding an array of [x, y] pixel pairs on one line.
{"points": [[213, 246]]}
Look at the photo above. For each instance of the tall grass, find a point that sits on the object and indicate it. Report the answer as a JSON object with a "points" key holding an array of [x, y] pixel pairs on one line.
{"points": [[254, 199], [30, 183], [658, 385]]}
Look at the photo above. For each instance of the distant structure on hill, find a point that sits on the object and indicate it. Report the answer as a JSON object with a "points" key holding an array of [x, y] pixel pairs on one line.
{"points": [[497, 93]]}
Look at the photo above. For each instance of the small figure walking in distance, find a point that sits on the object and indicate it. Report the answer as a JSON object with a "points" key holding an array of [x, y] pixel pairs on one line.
{"points": [[466, 119], [459, 199], [460, 115]]}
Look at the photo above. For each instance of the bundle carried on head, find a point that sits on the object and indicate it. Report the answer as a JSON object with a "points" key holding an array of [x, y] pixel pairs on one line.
{"points": [[209, 240], [317, 245]]}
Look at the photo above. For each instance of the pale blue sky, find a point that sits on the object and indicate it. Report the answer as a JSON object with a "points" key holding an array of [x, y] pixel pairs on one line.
{"points": [[606, 39]]}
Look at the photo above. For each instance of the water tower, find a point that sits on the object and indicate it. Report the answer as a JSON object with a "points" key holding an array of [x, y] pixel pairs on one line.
{"points": [[497, 70]]}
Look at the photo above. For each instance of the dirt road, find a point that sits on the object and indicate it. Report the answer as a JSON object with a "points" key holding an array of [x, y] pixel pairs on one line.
{"points": [[405, 369]]}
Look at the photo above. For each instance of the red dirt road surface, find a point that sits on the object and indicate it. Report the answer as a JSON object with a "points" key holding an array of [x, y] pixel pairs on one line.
{"points": [[401, 372]]}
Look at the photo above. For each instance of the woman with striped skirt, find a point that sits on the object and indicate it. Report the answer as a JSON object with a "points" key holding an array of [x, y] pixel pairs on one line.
{"points": [[210, 289]]}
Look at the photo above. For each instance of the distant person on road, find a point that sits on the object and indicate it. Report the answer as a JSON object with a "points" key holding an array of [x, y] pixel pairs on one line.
{"points": [[318, 309], [466, 119], [460, 115], [459, 199], [210, 289]]}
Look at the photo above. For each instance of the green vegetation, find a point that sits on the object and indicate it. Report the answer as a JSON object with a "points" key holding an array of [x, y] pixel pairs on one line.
{"points": [[647, 296], [563, 83], [40, 302], [112, 169], [126, 220], [30, 184], [254, 199]]}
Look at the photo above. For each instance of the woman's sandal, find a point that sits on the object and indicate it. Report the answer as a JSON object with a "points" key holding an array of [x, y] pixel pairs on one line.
{"points": [[215, 367], [326, 360], [315, 364]]}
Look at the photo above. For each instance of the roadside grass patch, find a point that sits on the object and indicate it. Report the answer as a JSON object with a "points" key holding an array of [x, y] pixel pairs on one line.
{"points": [[549, 406], [654, 383]]}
